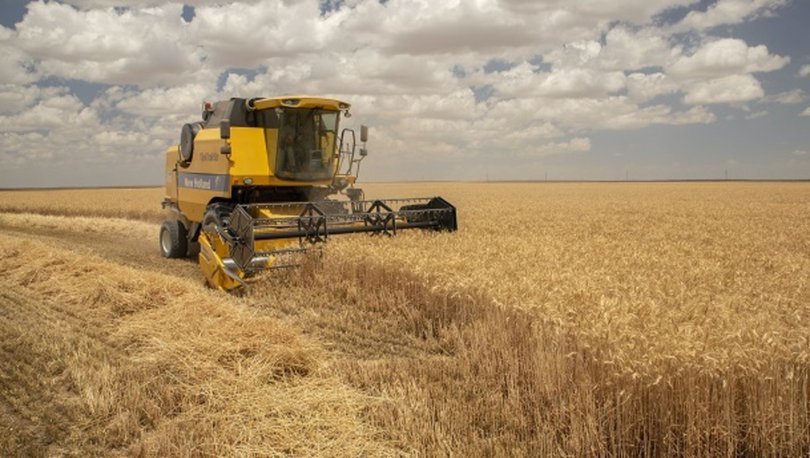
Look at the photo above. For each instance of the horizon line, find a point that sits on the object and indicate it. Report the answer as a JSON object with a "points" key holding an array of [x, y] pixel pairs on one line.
{"points": [[663, 180]]}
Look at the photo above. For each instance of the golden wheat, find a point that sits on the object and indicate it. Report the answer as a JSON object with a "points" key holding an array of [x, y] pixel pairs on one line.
{"points": [[136, 203], [577, 319]]}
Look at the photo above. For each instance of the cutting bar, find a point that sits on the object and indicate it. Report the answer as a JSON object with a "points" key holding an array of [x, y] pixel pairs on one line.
{"points": [[316, 221]]}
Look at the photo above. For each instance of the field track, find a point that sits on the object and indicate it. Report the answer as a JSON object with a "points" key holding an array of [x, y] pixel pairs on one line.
{"points": [[119, 248]]}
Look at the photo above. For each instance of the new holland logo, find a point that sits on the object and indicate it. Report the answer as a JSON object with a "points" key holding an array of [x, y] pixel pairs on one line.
{"points": [[204, 181]]}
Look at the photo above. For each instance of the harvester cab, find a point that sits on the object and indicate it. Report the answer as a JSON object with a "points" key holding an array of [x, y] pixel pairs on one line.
{"points": [[259, 180]]}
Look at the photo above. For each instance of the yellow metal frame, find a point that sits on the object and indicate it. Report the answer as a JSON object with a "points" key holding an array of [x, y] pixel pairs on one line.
{"points": [[302, 101]]}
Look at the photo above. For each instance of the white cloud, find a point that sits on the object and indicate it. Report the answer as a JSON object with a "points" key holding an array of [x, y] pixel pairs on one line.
{"points": [[96, 4], [629, 50], [55, 112], [17, 67], [624, 49], [525, 80], [757, 114], [245, 35], [575, 145], [17, 98], [724, 57], [729, 89], [421, 72], [185, 100], [642, 87], [637, 11], [143, 47], [793, 97], [800, 152], [806, 112], [611, 113], [804, 72], [728, 12]]}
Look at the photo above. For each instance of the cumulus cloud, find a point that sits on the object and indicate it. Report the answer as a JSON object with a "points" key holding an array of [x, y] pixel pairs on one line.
{"points": [[575, 145], [729, 89], [793, 97], [525, 80], [517, 78], [804, 72], [161, 101], [244, 35], [17, 67], [643, 86], [16, 98], [757, 115], [724, 57], [806, 112], [623, 49], [142, 47], [725, 12]]}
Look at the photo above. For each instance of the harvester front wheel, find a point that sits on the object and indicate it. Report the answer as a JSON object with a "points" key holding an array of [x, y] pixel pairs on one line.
{"points": [[217, 217], [173, 241]]}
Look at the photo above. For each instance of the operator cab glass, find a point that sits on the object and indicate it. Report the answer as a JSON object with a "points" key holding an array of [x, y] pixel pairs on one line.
{"points": [[305, 149]]}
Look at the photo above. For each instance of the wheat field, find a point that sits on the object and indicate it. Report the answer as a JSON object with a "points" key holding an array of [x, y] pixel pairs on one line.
{"points": [[562, 319]]}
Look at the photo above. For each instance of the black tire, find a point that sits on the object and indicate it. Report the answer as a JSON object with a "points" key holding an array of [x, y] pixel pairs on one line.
{"points": [[187, 134], [217, 214], [173, 240]]}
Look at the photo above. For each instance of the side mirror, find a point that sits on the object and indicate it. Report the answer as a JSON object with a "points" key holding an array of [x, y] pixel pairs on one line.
{"points": [[363, 134], [347, 136], [224, 129]]}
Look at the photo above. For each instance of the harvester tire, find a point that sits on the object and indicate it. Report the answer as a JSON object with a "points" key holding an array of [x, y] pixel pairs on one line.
{"points": [[173, 240], [217, 216]]}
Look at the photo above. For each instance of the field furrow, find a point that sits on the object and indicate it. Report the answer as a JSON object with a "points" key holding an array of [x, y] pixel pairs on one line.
{"points": [[99, 358], [129, 243]]}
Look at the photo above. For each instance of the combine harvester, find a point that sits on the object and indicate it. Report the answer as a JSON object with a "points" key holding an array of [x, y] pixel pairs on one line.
{"points": [[250, 183]]}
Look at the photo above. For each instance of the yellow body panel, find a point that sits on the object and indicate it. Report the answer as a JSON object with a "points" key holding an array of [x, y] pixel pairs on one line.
{"points": [[211, 174], [249, 157], [207, 157], [172, 157], [210, 260], [193, 202], [197, 182]]}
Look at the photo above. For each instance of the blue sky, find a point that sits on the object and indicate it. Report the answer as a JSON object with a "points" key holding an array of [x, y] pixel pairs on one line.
{"points": [[93, 91]]}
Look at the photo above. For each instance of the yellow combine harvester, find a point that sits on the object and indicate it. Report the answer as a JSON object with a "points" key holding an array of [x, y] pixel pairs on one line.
{"points": [[250, 183]]}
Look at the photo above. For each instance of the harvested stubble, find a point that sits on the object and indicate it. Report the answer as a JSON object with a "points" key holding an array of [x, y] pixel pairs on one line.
{"points": [[100, 358]]}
